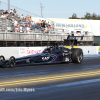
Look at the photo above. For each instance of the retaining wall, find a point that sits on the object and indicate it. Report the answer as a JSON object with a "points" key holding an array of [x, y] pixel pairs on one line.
{"points": [[7, 52]]}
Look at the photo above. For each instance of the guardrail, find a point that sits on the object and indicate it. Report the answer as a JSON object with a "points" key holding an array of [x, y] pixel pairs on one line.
{"points": [[38, 37]]}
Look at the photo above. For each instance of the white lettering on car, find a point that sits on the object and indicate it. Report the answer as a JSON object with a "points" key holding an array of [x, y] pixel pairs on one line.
{"points": [[45, 58], [27, 61]]}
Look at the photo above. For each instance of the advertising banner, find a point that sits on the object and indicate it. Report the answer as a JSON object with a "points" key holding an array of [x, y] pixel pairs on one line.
{"points": [[25, 51]]}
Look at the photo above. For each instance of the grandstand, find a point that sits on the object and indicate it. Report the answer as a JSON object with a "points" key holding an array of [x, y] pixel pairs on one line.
{"points": [[18, 30]]}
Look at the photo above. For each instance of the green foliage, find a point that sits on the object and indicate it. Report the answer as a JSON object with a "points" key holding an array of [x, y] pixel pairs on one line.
{"points": [[86, 16]]}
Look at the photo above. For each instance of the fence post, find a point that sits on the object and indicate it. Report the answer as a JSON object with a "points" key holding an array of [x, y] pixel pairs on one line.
{"points": [[41, 39], [3, 39]]}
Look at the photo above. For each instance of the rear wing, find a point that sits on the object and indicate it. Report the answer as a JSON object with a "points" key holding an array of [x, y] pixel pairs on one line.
{"points": [[73, 38]]}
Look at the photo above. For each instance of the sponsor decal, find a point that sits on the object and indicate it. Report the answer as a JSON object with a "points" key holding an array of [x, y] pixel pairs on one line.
{"points": [[22, 51], [25, 51], [64, 23], [27, 61], [45, 58], [98, 49], [29, 52], [66, 59], [17, 28]]}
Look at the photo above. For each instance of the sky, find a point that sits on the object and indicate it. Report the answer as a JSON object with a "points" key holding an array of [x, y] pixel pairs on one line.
{"points": [[54, 8]]}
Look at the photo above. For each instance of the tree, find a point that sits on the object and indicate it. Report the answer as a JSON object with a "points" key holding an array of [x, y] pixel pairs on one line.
{"points": [[70, 17], [94, 16], [88, 16], [74, 16], [98, 17]]}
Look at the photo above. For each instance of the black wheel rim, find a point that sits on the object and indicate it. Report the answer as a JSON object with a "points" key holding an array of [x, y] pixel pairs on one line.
{"points": [[12, 64]]}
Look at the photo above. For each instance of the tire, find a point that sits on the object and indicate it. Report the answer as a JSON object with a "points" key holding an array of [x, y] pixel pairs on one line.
{"points": [[2, 58], [12, 62], [77, 55]]}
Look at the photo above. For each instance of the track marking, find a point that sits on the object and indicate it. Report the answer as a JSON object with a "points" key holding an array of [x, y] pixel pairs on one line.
{"points": [[49, 78]]}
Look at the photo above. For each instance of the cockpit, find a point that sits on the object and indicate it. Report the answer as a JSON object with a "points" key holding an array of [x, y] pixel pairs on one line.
{"points": [[47, 50], [52, 48]]}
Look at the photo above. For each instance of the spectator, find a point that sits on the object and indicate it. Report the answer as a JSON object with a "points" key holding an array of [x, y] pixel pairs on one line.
{"points": [[3, 12], [28, 32], [39, 21], [28, 29], [6, 13], [11, 11], [25, 20], [8, 16], [46, 29], [21, 29], [38, 26], [32, 23], [25, 27], [43, 26], [13, 19], [12, 25], [53, 26], [15, 22], [22, 16], [27, 17], [33, 27], [15, 12], [30, 18], [49, 26], [3, 16]]}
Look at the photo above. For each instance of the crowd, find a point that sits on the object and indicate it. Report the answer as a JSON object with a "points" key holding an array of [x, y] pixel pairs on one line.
{"points": [[26, 24], [6, 14]]}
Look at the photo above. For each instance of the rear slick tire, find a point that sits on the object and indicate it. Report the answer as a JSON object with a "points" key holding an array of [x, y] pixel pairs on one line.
{"points": [[77, 55]]}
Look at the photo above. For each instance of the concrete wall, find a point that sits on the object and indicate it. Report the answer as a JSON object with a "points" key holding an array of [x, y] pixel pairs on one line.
{"points": [[7, 52], [89, 50]]}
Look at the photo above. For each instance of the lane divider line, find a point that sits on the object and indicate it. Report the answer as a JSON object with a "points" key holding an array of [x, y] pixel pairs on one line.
{"points": [[49, 78]]}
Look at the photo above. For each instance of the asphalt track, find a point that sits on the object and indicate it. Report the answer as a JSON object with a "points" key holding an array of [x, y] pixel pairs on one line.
{"points": [[51, 82]]}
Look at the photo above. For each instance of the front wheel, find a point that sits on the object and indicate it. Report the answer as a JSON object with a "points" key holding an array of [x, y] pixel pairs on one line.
{"points": [[12, 62], [2, 58], [77, 55]]}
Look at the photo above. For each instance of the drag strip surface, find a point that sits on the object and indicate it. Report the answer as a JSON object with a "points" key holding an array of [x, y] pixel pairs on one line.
{"points": [[52, 82], [48, 79], [80, 90], [88, 63]]}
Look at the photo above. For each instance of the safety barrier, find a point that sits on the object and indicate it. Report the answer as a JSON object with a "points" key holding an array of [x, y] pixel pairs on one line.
{"points": [[24, 51], [38, 37]]}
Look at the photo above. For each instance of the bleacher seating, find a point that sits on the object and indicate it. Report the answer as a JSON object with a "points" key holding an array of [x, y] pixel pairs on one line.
{"points": [[4, 23]]}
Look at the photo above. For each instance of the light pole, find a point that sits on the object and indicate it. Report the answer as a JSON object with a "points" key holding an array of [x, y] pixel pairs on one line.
{"points": [[8, 5], [41, 9]]}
